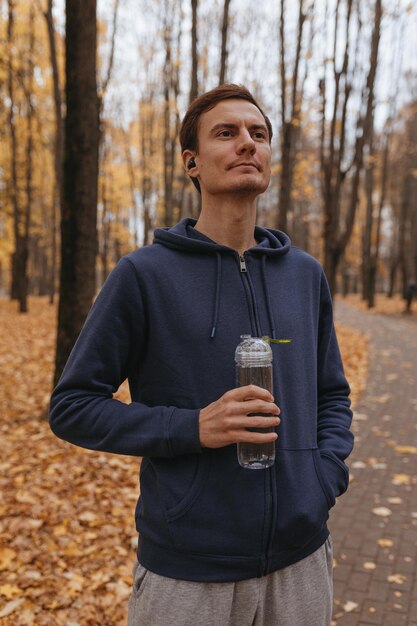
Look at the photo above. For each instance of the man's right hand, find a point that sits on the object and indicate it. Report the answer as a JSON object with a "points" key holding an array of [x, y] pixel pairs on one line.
{"points": [[226, 420]]}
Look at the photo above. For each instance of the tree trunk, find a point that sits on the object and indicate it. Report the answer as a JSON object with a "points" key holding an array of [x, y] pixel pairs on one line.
{"points": [[147, 144], [133, 187], [367, 231], [79, 211], [168, 156], [290, 127], [392, 276], [24, 279], [403, 248], [176, 124], [414, 236], [374, 257], [20, 214], [194, 52], [104, 241], [13, 152], [224, 51], [282, 209], [147, 125], [57, 197], [171, 119]]}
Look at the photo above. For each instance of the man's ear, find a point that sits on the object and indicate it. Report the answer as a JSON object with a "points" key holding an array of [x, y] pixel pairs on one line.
{"points": [[188, 159]]}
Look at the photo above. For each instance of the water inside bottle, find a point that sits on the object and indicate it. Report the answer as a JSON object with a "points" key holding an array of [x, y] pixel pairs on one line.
{"points": [[254, 455]]}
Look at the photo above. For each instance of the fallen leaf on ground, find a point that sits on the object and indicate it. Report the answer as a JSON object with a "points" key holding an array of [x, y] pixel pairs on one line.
{"points": [[10, 591], [401, 479], [360, 417], [11, 607], [350, 606], [396, 578], [406, 449], [385, 543], [382, 511], [7, 556]]}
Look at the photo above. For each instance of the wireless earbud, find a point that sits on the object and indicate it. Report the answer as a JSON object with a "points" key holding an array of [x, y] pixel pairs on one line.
{"points": [[190, 164]]}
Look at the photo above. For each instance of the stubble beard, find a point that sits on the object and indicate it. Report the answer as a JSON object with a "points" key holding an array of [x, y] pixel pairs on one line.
{"points": [[248, 187]]}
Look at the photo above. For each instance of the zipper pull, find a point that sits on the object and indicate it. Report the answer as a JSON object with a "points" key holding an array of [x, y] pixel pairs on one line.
{"points": [[242, 261]]}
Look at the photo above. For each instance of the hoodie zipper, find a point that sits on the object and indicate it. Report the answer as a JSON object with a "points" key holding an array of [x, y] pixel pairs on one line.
{"points": [[269, 513], [242, 262], [251, 301]]}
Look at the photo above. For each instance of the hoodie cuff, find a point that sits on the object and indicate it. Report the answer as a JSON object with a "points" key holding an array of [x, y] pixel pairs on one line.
{"points": [[183, 433]]}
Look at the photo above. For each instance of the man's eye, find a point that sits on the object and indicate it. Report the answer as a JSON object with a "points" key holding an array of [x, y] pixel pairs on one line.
{"points": [[225, 133], [259, 135]]}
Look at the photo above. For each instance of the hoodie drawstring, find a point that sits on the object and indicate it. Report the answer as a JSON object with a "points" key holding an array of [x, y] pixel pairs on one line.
{"points": [[267, 298], [217, 297]]}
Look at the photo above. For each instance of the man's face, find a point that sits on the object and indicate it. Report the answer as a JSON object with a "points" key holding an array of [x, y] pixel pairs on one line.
{"points": [[234, 154]]}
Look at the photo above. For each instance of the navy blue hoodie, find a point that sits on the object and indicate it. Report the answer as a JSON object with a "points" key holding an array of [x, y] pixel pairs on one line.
{"points": [[169, 318]]}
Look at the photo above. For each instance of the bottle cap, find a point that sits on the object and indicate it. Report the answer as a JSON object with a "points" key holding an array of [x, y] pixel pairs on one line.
{"points": [[253, 351]]}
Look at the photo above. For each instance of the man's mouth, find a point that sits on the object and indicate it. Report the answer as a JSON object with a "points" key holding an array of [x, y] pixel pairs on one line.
{"points": [[245, 164]]}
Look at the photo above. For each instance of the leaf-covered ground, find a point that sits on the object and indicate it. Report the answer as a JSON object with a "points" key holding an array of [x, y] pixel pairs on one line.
{"points": [[67, 536]]}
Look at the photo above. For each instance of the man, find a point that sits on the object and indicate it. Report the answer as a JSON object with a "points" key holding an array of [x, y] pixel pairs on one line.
{"points": [[218, 544]]}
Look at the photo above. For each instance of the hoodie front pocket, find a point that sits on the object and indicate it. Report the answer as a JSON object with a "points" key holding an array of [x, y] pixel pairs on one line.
{"points": [[302, 503], [186, 502], [224, 511], [166, 485]]}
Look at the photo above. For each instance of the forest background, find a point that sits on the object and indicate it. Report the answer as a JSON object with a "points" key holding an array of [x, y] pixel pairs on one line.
{"points": [[91, 99]]}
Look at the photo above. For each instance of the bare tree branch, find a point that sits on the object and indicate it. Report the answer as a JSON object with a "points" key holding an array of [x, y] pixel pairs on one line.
{"points": [[105, 84]]}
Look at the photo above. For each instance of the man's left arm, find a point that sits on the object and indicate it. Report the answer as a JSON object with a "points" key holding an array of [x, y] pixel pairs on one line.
{"points": [[334, 417]]}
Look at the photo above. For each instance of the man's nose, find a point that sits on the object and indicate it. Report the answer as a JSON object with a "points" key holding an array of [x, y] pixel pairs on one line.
{"points": [[246, 143]]}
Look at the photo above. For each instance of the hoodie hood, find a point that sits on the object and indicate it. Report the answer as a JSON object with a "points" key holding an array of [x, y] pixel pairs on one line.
{"points": [[270, 243], [183, 236]]}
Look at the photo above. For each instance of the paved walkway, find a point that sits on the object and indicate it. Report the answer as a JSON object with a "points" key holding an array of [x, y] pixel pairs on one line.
{"points": [[374, 525]]}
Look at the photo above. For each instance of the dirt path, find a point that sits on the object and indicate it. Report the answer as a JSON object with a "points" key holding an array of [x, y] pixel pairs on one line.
{"points": [[374, 526]]}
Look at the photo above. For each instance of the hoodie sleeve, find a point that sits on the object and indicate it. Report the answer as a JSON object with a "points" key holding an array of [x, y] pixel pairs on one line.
{"points": [[82, 409], [334, 417]]}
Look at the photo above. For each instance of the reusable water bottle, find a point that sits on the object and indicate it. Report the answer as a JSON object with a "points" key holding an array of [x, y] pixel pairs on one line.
{"points": [[253, 359]]}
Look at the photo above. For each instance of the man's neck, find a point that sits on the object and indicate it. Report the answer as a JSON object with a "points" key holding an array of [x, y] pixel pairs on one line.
{"points": [[230, 223]]}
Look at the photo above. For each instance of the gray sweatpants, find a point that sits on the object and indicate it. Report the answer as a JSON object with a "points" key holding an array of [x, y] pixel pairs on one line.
{"points": [[298, 595]]}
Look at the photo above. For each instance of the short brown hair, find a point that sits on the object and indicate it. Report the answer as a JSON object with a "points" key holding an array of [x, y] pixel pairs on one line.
{"points": [[205, 102]]}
